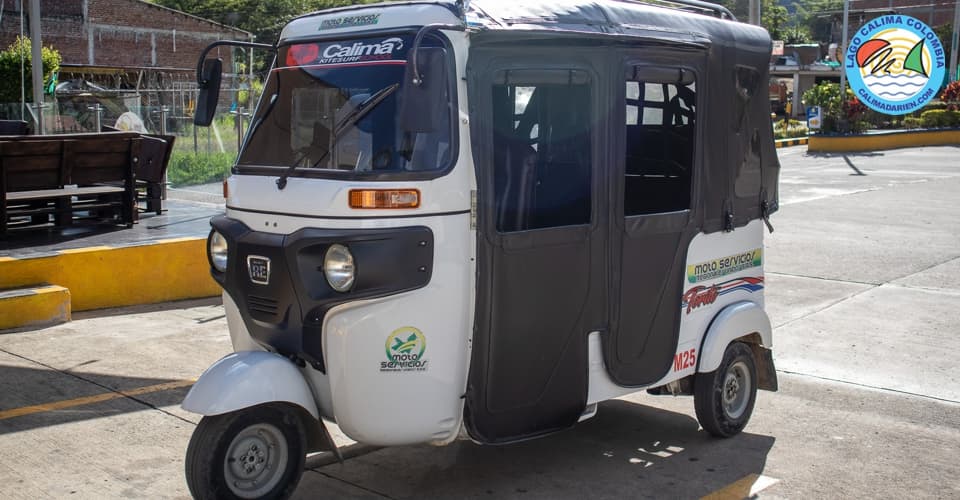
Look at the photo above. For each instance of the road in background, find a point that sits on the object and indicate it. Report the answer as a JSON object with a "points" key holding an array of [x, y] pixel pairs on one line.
{"points": [[862, 288]]}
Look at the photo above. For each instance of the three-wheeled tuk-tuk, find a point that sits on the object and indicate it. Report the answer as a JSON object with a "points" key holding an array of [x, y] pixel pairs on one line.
{"points": [[480, 221]]}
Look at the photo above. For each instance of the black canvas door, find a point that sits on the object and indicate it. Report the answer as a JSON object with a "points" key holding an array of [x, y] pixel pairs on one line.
{"points": [[654, 217], [541, 248]]}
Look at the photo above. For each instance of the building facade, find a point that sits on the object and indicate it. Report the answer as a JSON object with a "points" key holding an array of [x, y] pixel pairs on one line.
{"points": [[117, 33]]}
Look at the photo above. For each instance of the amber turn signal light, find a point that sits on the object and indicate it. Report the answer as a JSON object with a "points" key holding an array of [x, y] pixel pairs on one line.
{"points": [[384, 198]]}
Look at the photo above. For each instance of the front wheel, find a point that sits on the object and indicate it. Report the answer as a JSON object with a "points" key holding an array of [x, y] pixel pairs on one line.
{"points": [[724, 398], [256, 452]]}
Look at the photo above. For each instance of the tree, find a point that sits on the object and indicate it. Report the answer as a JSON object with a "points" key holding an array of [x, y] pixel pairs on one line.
{"points": [[774, 18], [10, 61], [802, 22], [263, 18], [827, 96], [817, 17], [945, 34]]}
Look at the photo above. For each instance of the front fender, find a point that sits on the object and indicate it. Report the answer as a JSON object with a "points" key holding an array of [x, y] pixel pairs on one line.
{"points": [[249, 378], [734, 321]]}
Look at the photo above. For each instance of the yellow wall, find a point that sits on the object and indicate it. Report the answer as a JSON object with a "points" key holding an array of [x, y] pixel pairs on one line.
{"points": [[101, 277], [878, 142]]}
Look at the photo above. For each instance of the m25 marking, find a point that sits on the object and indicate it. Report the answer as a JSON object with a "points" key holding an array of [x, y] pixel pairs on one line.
{"points": [[684, 360]]}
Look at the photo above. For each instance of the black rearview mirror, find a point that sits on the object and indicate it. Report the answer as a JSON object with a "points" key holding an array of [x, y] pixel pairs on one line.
{"points": [[209, 92], [423, 106]]}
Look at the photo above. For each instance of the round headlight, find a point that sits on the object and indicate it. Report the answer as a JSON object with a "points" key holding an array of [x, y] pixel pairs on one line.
{"points": [[338, 267], [217, 247]]}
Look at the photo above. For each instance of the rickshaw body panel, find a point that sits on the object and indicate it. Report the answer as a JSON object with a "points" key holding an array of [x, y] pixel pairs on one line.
{"points": [[723, 268], [377, 396], [731, 262]]}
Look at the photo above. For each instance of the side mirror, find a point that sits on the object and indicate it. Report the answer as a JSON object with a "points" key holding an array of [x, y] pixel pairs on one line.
{"points": [[424, 106], [209, 92]]}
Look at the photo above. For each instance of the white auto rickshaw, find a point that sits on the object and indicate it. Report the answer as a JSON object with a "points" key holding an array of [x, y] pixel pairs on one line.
{"points": [[453, 221]]}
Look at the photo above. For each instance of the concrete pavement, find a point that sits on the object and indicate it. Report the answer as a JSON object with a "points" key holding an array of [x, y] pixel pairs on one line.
{"points": [[862, 291]]}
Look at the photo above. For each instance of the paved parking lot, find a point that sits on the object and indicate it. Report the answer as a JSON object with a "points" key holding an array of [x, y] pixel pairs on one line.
{"points": [[863, 289]]}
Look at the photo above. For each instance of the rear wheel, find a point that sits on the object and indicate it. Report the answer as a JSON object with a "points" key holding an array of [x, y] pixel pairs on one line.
{"points": [[251, 453], [724, 398]]}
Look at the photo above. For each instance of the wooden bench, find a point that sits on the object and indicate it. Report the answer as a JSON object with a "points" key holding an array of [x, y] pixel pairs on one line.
{"points": [[13, 127], [67, 178], [155, 151]]}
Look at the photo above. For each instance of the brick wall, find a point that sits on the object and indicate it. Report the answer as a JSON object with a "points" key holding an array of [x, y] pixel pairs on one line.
{"points": [[119, 32]]}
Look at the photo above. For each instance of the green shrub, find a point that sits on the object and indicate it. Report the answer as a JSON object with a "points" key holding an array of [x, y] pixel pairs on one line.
{"points": [[912, 122], [786, 130], [188, 169], [953, 118], [832, 109], [10, 69], [940, 118]]}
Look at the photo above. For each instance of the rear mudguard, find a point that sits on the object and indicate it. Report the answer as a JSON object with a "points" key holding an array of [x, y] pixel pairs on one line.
{"points": [[736, 321], [249, 378]]}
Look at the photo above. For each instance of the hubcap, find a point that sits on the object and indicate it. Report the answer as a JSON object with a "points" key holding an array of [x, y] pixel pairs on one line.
{"points": [[255, 461], [736, 390]]}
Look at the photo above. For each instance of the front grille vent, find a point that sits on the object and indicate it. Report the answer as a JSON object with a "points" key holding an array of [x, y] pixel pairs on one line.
{"points": [[262, 305]]}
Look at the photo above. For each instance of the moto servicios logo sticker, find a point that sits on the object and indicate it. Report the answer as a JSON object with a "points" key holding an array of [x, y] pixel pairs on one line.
{"points": [[895, 64], [405, 348]]}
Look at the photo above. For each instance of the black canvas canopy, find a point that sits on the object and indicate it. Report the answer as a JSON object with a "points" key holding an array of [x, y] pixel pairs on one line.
{"points": [[740, 167], [651, 127]]}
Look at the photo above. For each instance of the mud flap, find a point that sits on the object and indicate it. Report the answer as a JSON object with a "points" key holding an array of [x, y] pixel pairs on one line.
{"points": [[766, 372], [319, 439]]}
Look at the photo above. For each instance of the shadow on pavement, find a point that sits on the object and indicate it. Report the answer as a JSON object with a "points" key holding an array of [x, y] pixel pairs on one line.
{"points": [[23, 387], [627, 451], [865, 154], [173, 305]]}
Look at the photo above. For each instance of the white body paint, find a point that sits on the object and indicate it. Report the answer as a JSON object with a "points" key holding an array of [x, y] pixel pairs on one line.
{"points": [[706, 330]]}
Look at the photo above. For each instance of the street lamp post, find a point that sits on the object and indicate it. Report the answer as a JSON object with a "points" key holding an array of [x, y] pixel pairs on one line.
{"points": [[843, 65], [36, 54], [955, 43]]}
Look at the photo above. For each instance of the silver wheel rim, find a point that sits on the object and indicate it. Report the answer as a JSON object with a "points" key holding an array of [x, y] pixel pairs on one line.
{"points": [[736, 390], [255, 461]]}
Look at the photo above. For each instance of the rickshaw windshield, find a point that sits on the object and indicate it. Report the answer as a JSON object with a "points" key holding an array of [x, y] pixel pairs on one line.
{"points": [[335, 106]]}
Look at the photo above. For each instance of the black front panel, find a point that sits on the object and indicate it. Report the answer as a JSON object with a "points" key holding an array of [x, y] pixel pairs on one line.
{"points": [[279, 286]]}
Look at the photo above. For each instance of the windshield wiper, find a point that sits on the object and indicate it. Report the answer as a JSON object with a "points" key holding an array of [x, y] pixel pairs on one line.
{"points": [[261, 118], [345, 123]]}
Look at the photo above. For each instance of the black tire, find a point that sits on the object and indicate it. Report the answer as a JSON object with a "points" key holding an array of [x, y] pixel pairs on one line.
{"points": [[267, 446], [724, 398]]}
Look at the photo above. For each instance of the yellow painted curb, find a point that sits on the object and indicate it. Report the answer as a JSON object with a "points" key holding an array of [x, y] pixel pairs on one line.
{"points": [[879, 142], [42, 305], [796, 141], [104, 277]]}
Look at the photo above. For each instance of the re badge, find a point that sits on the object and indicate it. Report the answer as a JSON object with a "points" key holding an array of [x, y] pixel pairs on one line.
{"points": [[258, 268]]}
